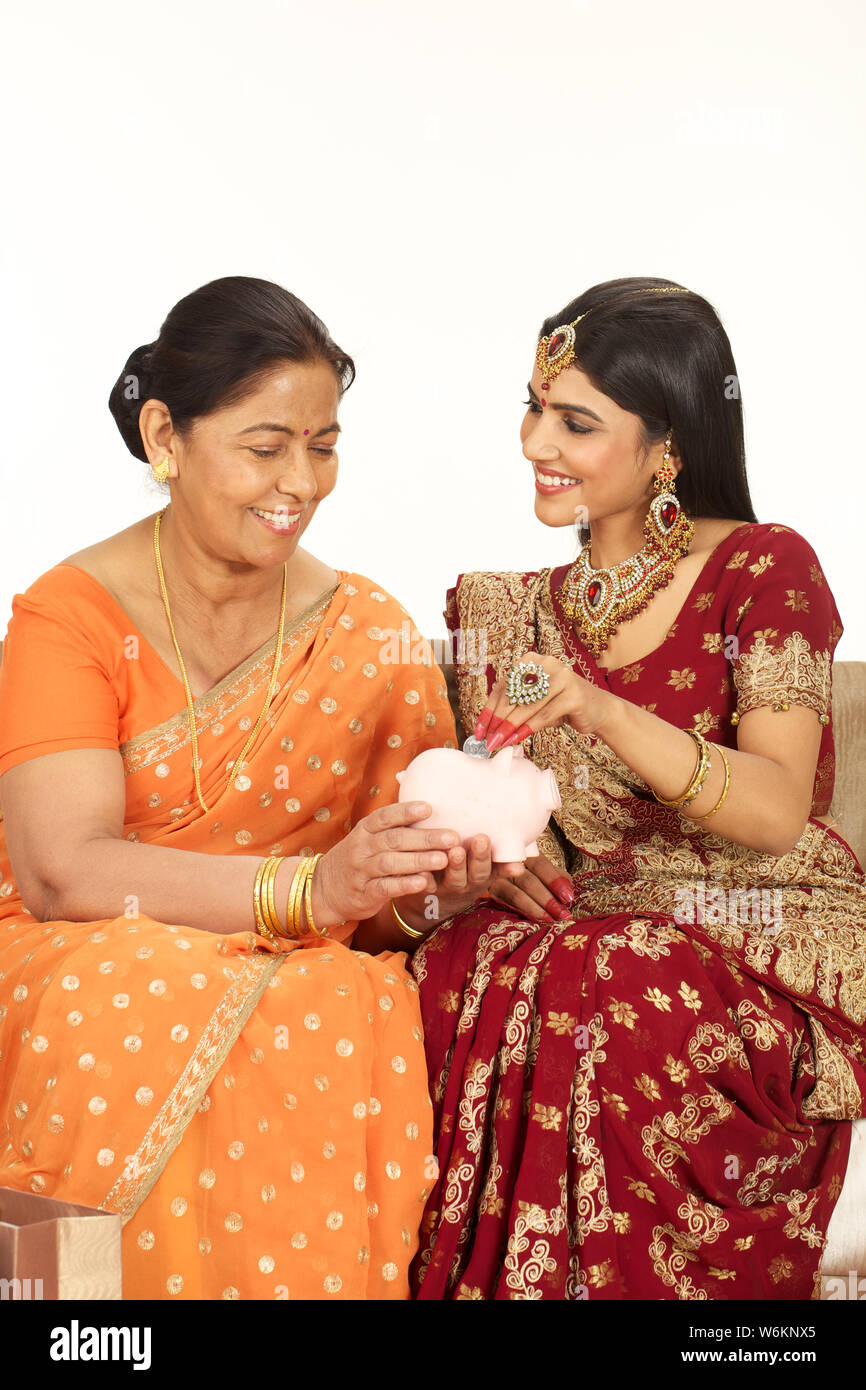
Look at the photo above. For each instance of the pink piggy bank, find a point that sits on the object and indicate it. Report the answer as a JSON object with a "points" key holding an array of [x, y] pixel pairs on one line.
{"points": [[505, 797]]}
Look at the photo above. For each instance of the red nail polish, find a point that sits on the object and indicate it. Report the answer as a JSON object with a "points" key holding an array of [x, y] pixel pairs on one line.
{"points": [[558, 911], [563, 889], [480, 729], [518, 736], [494, 742]]}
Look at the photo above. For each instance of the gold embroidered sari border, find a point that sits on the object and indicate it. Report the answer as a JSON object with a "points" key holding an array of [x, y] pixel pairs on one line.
{"points": [[261, 657], [218, 1037]]}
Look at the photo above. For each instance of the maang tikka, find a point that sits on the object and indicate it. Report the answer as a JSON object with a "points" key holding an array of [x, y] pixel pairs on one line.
{"points": [[555, 352]]}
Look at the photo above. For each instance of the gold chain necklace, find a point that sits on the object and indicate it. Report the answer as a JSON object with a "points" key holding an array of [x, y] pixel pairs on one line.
{"points": [[237, 766]]}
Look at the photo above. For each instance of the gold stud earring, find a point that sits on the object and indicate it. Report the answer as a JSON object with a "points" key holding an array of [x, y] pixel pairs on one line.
{"points": [[160, 470]]}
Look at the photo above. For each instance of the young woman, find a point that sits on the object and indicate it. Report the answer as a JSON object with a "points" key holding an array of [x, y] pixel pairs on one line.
{"points": [[196, 1033], [644, 1069]]}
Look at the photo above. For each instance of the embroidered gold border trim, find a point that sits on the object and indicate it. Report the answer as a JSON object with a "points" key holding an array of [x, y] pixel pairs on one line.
{"points": [[220, 1033], [793, 672]]}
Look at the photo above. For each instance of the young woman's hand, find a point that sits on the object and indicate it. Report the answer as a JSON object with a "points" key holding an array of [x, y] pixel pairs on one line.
{"points": [[570, 699], [541, 891], [460, 885]]}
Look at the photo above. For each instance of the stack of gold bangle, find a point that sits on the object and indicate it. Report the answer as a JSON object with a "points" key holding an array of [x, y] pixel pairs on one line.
{"points": [[702, 767], [300, 894], [699, 776], [264, 905], [721, 799]]}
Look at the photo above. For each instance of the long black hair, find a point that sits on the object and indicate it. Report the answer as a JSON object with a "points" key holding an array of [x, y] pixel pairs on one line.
{"points": [[666, 358], [212, 349]]}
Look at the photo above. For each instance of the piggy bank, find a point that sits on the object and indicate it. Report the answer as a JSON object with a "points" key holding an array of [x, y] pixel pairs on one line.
{"points": [[505, 797]]}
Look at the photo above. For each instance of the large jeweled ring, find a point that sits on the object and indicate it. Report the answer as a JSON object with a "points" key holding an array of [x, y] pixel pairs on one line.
{"points": [[526, 682]]}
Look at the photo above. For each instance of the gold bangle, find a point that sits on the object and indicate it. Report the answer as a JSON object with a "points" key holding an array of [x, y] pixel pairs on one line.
{"points": [[721, 799], [261, 925], [404, 926], [269, 907], [308, 898], [304, 898], [303, 880], [297, 896], [702, 767], [292, 922]]}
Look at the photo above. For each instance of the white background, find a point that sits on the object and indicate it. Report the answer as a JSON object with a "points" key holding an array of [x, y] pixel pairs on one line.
{"points": [[433, 181]]}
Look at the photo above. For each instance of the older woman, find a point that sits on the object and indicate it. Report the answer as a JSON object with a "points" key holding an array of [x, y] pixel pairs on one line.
{"points": [[643, 1069], [196, 1031]]}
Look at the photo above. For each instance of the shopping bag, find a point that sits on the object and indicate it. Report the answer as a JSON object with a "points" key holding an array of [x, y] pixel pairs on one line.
{"points": [[57, 1250]]}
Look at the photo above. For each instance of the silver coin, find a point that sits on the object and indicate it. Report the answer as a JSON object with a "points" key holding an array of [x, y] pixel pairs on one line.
{"points": [[476, 748]]}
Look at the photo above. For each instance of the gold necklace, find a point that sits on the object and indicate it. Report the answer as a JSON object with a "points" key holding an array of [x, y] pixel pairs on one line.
{"points": [[237, 766], [597, 601]]}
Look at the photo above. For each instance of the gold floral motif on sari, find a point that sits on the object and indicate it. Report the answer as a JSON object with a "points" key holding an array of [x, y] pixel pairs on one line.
{"points": [[835, 1077], [527, 1261], [672, 1249], [712, 1045], [593, 1211]]}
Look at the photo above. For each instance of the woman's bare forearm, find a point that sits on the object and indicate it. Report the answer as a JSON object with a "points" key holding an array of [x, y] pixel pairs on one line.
{"points": [[116, 878], [759, 810]]}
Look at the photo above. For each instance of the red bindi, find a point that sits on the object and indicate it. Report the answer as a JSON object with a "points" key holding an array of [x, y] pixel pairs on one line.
{"points": [[306, 431]]}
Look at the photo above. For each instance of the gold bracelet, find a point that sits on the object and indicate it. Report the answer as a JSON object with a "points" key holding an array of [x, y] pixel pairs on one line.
{"points": [[299, 895], [269, 906], [702, 767], [721, 799], [261, 925], [404, 926], [308, 898], [292, 922]]}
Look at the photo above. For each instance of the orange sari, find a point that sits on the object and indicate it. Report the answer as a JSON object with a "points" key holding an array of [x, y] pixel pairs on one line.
{"points": [[258, 1117]]}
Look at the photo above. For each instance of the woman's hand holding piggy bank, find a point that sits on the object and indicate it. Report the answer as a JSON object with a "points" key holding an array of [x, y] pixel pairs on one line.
{"points": [[506, 800]]}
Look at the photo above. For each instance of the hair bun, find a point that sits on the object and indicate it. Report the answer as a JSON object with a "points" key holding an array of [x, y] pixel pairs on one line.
{"points": [[131, 389]]}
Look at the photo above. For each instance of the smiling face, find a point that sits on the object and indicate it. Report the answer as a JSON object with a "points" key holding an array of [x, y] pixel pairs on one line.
{"points": [[247, 479], [586, 452]]}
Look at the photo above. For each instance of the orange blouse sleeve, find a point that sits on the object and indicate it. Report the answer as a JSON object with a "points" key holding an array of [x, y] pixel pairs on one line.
{"points": [[55, 689]]}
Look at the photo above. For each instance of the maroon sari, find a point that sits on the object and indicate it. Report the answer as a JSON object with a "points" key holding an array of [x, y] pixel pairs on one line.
{"points": [[651, 1101]]}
